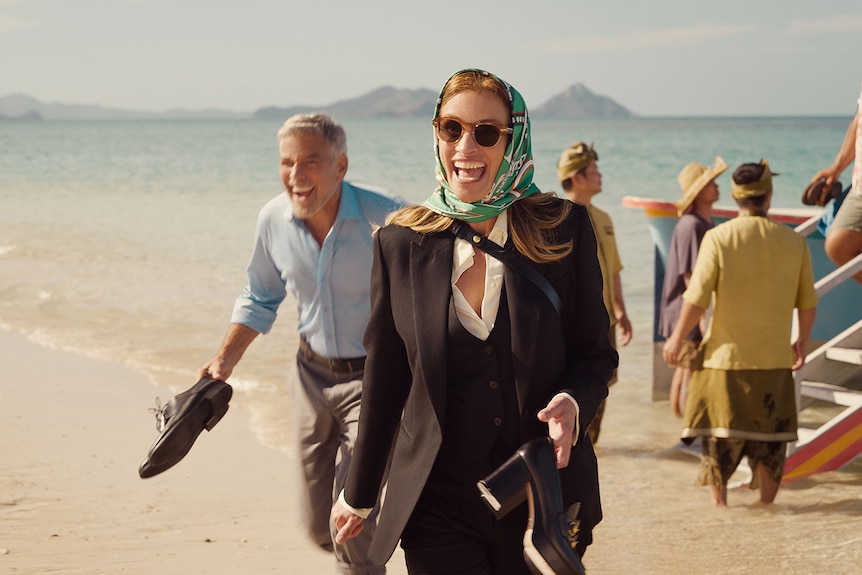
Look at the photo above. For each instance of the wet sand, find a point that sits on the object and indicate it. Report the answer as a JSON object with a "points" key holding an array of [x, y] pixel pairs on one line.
{"points": [[73, 431]]}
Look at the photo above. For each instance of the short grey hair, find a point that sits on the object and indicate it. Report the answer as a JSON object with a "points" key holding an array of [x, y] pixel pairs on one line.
{"points": [[321, 124]]}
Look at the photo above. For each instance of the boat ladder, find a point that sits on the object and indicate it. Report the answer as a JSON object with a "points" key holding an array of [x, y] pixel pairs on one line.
{"points": [[830, 382]]}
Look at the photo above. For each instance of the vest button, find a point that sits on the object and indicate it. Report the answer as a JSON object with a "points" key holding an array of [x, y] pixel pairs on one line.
{"points": [[492, 384], [488, 349], [498, 422]]}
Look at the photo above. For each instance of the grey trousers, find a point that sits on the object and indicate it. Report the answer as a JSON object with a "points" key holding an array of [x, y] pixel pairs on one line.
{"points": [[326, 417]]}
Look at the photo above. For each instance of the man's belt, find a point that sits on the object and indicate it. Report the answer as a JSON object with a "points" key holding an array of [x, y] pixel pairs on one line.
{"points": [[350, 365]]}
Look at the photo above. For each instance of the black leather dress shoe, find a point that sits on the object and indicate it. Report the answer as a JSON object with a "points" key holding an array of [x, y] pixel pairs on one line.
{"points": [[550, 536], [182, 419]]}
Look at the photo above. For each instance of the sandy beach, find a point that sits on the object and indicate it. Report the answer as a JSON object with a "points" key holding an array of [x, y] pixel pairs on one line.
{"points": [[73, 431]]}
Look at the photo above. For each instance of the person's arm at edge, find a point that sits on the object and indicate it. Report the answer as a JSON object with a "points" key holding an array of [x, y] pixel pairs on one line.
{"points": [[845, 154], [624, 325]]}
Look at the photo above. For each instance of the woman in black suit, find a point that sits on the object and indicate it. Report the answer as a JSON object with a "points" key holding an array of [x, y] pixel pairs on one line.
{"points": [[467, 358]]}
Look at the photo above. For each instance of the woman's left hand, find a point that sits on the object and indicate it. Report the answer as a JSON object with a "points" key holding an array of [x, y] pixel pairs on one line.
{"points": [[348, 524], [561, 415]]}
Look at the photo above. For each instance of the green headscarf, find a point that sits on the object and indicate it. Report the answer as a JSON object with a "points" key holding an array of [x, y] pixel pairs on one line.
{"points": [[514, 178]]}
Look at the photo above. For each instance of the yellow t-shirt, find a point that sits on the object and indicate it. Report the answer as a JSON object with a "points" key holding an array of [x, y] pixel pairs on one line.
{"points": [[759, 271], [609, 257]]}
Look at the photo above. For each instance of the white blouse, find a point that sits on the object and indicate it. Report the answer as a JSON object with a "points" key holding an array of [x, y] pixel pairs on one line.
{"points": [[462, 260]]}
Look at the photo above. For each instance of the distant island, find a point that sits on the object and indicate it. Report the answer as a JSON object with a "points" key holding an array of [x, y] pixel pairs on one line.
{"points": [[574, 102]]}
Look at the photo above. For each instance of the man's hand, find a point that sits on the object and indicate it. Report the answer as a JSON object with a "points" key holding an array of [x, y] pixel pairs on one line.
{"points": [[830, 174], [800, 349], [670, 350], [624, 329]]}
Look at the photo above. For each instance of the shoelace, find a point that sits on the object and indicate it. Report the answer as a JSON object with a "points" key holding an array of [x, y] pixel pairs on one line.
{"points": [[159, 412]]}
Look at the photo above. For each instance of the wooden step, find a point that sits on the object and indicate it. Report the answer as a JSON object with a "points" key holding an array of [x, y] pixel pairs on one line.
{"points": [[832, 393], [847, 355]]}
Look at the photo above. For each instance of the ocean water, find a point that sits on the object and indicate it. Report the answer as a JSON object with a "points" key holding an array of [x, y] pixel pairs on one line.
{"points": [[128, 240]]}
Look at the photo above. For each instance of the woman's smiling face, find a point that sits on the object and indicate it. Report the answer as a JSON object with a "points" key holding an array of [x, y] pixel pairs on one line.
{"points": [[470, 168]]}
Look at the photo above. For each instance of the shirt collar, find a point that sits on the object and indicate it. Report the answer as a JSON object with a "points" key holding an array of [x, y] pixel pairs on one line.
{"points": [[500, 233], [463, 256], [349, 208]]}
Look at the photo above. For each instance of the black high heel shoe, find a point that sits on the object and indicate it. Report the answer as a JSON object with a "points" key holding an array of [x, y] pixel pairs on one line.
{"points": [[549, 539], [182, 419]]}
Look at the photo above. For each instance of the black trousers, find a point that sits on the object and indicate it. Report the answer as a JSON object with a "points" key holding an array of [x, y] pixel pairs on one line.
{"points": [[436, 547]]}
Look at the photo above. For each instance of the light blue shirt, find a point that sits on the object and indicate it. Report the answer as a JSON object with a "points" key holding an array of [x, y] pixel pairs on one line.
{"points": [[330, 283]]}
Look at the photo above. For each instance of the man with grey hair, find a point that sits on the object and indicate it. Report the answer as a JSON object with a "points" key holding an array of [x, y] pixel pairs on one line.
{"points": [[314, 241]]}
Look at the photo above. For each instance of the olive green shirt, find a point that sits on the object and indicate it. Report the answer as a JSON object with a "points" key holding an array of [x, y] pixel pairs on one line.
{"points": [[758, 271]]}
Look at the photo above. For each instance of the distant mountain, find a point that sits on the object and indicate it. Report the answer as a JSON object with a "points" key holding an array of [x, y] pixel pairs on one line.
{"points": [[575, 102], [382, 102], [578, 102], [21, 107], [30, 116]]}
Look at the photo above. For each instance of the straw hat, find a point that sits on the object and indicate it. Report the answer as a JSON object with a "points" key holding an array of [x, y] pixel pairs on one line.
{"points": [[693, 178]]}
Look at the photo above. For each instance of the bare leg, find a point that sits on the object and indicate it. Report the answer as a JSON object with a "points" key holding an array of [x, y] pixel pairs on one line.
{"points": [[719, 495], [842, 246], [768, 486]]}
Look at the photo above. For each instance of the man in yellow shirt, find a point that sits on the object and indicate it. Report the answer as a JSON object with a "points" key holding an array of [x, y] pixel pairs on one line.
{"points": [[742, 401], [579, 175]]}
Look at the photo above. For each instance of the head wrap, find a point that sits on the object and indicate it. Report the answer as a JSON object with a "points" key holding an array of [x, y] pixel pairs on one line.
{"points": [[754, 189], [514, 179], [574, 159]]}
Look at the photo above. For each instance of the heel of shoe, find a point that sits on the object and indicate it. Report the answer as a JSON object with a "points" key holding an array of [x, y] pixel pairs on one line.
{"points": [[218, 396], [551, 534], [505, 488]]}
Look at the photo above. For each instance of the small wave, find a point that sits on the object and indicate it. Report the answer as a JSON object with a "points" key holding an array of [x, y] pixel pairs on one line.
{"points": [[5, 250]]}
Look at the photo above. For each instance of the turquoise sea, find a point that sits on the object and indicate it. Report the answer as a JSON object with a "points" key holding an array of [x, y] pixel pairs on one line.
{"points": [[128, 240]]}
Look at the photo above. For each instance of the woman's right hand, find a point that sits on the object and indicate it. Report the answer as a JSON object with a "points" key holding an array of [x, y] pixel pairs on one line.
{"points": [[348, 524]]}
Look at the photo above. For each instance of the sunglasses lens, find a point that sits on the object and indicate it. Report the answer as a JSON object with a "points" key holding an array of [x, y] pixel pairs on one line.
{"points": [[486, 135], [449, 131]]}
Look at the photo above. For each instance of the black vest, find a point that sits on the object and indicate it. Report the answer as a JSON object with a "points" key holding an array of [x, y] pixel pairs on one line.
{"points": [[481, 427], [481, 430]]}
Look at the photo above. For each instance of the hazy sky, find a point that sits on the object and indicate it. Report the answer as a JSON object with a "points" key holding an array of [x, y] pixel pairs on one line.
{"points": [[656, 57]]}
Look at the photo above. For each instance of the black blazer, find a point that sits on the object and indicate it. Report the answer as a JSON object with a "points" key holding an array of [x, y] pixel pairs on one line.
{"points": [[404, 388]]}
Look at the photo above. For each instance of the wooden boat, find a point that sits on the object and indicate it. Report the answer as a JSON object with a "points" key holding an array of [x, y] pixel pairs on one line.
{"points": [[830, 383]]}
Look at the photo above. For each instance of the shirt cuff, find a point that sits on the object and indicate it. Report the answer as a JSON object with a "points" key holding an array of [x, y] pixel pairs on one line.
{"points": [[364, 513], [577, 431]]}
